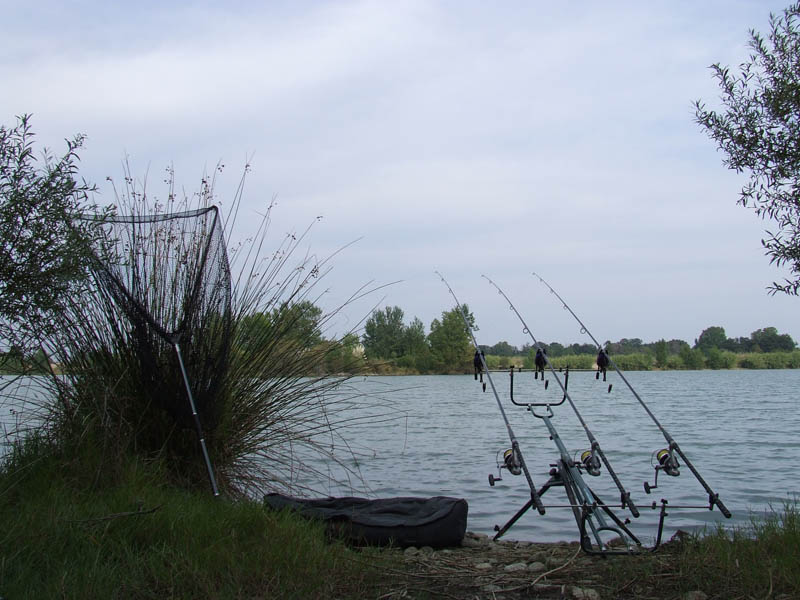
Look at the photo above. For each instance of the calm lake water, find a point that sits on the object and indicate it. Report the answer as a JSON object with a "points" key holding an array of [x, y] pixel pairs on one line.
{"points": [[739, 428]]}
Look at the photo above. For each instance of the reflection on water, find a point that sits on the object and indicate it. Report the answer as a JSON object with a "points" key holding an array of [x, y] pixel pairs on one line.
{"points": [[739, 428]]}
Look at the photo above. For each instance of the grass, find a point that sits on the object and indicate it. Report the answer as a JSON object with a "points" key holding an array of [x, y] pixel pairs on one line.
{"points": [[74, 528], [71, 531], [761, 560]]}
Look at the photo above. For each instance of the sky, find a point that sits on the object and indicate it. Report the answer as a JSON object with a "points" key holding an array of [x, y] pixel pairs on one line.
{"points": [[465, 138]]}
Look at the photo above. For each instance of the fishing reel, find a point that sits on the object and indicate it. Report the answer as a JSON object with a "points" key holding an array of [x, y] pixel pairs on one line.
{"points": [[510, 462], [589, 462], [662, 460]]}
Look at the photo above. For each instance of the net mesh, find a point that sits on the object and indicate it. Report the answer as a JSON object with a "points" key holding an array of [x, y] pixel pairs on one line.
{"points": [[169, 275]]}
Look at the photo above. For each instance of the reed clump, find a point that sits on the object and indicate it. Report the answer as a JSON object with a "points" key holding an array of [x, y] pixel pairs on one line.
{"points": [[252, 337]]}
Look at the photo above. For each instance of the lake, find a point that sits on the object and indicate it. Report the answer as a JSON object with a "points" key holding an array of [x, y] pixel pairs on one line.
{"points": [[739, 429]]}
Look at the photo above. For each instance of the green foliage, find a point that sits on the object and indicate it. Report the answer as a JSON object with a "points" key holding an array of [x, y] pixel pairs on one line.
{"points": [[757, 130], [692, 358], [759, 560], [720, 359], [387, 338], [752, 361], [69, 534], [712, 337], [528, 361], [713, 350], [674, 362], [42, 248], [449, 340], [624, 346], [769, 340], [573, 361], [343, 356], [772, 360], [271, 399], [661, 353], [385, 333], [297, 323], [502, 349], [301, 321], [634, 362]]}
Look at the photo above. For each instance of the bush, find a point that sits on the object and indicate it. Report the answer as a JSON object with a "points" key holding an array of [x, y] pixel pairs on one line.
{"points": [[634, 362], [752, 360], [692, 358], [574, 361]]}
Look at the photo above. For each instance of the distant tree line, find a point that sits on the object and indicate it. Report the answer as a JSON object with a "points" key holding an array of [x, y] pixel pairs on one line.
{"points": [[391, 344]]}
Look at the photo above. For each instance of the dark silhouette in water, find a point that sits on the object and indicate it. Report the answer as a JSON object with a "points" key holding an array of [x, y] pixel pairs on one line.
{"points": [[477, 363], [602, 364]]}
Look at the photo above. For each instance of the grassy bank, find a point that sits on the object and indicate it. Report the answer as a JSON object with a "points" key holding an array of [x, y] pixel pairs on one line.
{"points": [[75, 528], [761, 560], [72, 530]]}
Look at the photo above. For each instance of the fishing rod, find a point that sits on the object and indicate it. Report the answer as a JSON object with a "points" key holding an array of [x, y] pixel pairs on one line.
{"points": [[596, 450], [666, 459], [514, 460]]}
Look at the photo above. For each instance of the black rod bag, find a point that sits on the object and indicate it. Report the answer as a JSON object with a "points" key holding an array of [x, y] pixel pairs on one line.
{"points": [[438, 522]]}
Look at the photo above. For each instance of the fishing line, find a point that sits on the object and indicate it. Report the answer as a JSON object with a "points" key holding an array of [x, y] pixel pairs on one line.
{"points": [[669, 463], [514, 444], [595, 445]]}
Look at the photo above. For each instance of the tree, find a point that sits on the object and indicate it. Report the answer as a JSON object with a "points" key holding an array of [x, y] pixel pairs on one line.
{"points": [[692, 358], [769, 340], [503, 349], [712, 337], [384, 332], [450, 340], [759, 131], [414, 338], [662, 352], [42, 247], [300, 322]]}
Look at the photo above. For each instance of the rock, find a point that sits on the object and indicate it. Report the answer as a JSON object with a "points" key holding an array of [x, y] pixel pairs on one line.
{"points": [[584, 594], [517, 566], [469, 542], [552, 562], [484, 566], [537, 567], [694, 595], [491, 588]]}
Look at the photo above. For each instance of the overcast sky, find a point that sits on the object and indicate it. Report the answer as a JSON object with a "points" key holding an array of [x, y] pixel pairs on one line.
{"points": [[465, 137]]}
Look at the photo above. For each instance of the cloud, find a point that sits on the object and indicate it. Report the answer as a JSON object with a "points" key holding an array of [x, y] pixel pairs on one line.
{"points": [[448, 135]]}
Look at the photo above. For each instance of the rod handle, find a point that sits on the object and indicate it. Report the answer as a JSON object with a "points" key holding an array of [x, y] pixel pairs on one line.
{"points": [[722, 508]]}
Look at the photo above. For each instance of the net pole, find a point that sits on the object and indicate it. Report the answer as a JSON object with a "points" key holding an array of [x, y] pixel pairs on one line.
{"points": [[196, 418]]}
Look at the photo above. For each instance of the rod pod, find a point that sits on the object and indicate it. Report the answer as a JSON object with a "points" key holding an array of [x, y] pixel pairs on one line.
{"points": [[713, 497]]}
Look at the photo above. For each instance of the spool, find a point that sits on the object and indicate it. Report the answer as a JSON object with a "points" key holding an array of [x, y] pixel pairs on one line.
{"points": [[590, 463], [511, 463], [667, 462]]}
